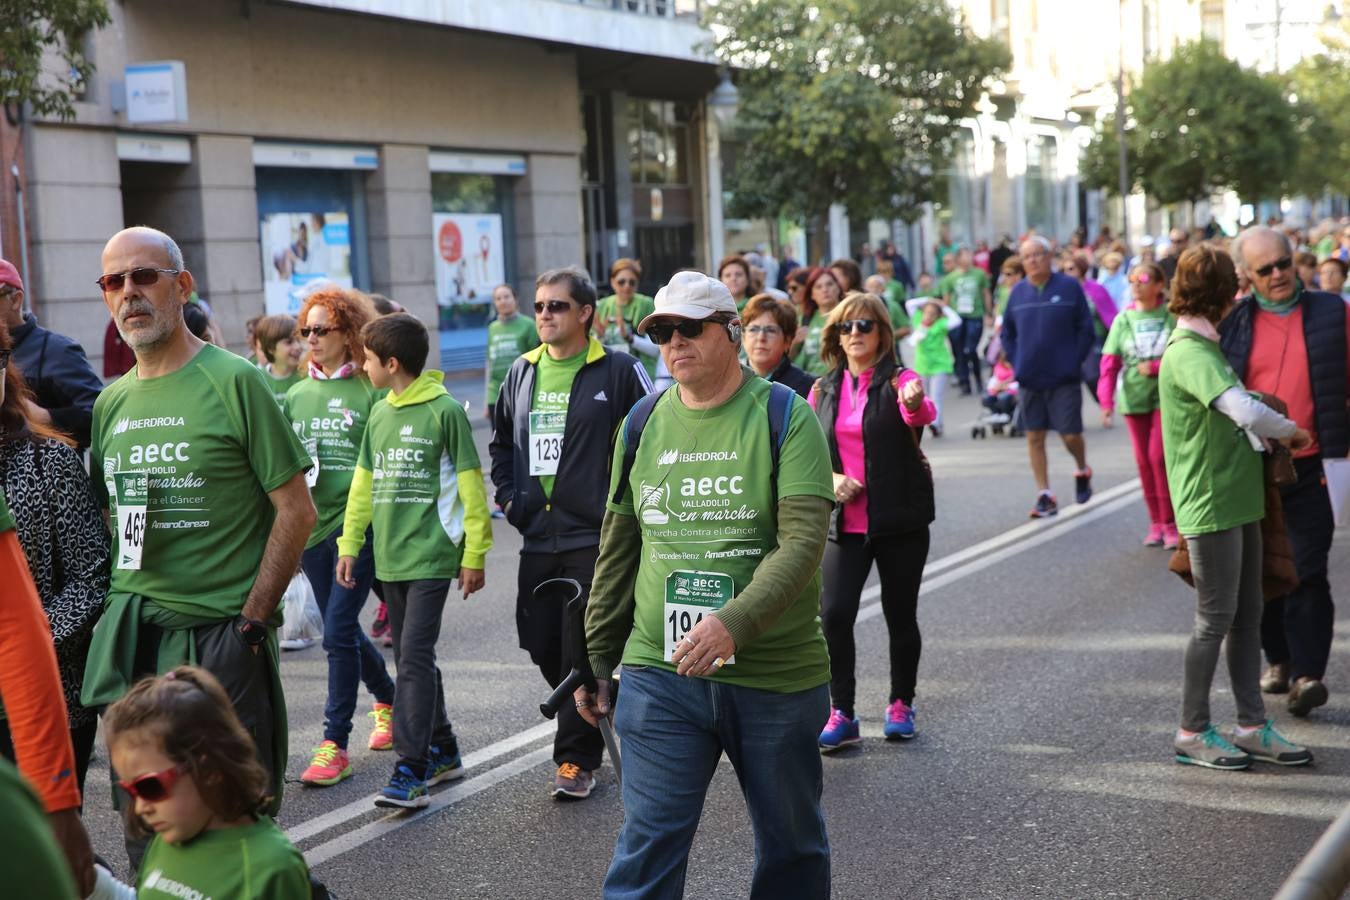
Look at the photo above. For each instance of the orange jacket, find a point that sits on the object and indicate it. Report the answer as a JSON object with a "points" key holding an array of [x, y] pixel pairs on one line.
{"points": [[30, 684]]}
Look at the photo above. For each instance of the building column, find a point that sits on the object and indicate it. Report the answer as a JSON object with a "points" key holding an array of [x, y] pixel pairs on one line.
{"points": [[223, 249], [402, 246], [74, 204], [548, 219]]}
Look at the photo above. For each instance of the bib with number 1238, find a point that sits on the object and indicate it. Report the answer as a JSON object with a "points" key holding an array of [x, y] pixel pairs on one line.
{"points": [[689, 597], [133, 496], [546, 438]]}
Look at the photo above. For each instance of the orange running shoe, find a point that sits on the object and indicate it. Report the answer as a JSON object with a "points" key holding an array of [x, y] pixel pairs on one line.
{"points": [[382, 734], [329, 765]]}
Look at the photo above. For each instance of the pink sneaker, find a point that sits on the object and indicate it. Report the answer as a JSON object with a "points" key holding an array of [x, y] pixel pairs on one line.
{"points": [[1170, 537], [382, 734], [1154, 538], [329, 765]]}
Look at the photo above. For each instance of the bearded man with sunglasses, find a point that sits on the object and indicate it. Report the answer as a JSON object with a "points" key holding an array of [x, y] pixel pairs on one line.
{"points": [[203, 480], [553, 425], [708, 591], [1291, 341]]}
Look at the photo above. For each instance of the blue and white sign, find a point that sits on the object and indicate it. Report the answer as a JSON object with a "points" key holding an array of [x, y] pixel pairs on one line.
{"points": [[156, 92]]}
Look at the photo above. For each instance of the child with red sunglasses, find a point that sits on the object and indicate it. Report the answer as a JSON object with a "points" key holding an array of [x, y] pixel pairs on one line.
{"points": [[192, 779]]}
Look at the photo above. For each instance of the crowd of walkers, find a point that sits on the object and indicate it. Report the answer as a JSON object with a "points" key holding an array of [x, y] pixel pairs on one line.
{"points": [[718, 467]]}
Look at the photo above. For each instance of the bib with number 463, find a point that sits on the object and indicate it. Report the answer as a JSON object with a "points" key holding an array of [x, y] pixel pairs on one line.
{"points": [[133, 498], [690, 596]]}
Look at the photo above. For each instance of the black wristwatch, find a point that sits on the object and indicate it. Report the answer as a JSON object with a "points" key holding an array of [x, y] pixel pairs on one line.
{"points": [[251, 630]]}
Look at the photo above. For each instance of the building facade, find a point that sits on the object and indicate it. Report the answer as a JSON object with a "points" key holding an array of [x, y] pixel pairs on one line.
{"points": [[423, 150]]}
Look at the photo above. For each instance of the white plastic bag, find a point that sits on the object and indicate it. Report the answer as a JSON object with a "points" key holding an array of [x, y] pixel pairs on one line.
{"points": [[302, 623]]}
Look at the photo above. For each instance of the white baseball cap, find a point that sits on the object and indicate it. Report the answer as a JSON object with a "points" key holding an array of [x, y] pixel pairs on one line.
{"points": [[690, 295]]}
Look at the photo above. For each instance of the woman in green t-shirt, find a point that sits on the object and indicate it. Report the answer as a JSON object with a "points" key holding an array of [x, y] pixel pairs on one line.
{"points": [[1211, 428], [824, 293], [329, 411], [734, 272], [1129, 370], [617, 315]]}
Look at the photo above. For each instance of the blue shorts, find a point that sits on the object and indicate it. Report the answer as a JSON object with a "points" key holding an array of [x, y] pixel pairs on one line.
{"points": [[1053, 409]]}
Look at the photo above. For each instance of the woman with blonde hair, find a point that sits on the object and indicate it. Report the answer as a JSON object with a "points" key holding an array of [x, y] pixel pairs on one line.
{"points": [[329, 411], [873, 411]]}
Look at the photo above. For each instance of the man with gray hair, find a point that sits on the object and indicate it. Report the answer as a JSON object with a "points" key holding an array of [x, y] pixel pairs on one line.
{"points": [[203, 480], [555, 416], [1047, 333], [1291, 341]]}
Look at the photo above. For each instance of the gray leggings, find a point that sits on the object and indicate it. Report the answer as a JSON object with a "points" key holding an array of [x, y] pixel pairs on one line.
{"points": [[1226, 566]]}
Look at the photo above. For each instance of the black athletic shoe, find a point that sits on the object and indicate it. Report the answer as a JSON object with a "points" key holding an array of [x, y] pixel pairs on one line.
{"points": [[1082, 485], [1045, 506]]}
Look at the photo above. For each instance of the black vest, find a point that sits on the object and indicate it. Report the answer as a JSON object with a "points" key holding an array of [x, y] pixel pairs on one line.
{"points": [[898, 479], [1324, 337]]}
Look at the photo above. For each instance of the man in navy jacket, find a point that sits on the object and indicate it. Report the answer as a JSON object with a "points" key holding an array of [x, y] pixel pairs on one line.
{"points": [[1047, 333]]}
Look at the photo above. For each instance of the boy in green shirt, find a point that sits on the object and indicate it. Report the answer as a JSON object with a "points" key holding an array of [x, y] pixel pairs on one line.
{"points": [[275, 344], [419, 484]]}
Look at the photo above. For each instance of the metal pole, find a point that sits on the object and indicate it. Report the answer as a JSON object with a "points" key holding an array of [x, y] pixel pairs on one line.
{"points": [[1325, 872], [1123, 185], [23, 238]]}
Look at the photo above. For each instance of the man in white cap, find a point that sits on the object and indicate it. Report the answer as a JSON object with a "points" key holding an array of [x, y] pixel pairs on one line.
{"points": [[707, 590]]}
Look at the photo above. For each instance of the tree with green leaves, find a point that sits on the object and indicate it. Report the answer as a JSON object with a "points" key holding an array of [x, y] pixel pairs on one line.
{"points": [[853, 101], [33, 29], [1322, 85], [1199, 123]]}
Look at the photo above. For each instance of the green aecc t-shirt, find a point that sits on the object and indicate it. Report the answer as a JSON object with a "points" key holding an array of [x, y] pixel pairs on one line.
{"points": [[213, 444], [281, 385], [329, 416], [1213, 472], [706, 509], [966, 291], [808, 355], [553, 390], [1136, 336], [506, 341], [637, 309], [254, 861]]}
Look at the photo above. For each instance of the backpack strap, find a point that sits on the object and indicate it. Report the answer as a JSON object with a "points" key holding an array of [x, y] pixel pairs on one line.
{"points": [[781, 398], [632, 436]]}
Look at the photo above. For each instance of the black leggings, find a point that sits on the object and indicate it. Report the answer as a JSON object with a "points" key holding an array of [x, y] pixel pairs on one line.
{"points": [[848, 561]]}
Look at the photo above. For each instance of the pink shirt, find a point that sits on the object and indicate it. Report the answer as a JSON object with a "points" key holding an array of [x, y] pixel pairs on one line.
{"points": [[848, 436]]}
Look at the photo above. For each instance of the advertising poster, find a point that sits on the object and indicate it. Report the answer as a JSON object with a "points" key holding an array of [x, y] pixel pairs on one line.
{"points": [[298, 248], [469, 257]]}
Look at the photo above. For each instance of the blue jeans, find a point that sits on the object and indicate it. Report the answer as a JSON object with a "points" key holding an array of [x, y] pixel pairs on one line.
{"points": [[674, 731], [352, 658], [966, 348]]}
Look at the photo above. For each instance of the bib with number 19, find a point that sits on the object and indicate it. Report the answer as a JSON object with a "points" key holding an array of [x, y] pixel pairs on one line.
{"points": [[546, 439], [690, 596]]}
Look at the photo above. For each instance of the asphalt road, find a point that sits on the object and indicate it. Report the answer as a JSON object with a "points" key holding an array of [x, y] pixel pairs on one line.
{"points": [[1048, 692]]}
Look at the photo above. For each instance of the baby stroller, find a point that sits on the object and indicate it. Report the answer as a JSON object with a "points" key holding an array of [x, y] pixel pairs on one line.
{"points": [[1001, 412]]}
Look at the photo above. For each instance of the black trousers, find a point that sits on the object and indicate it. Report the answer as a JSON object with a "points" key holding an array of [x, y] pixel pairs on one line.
{"points": [[1297, 628], [848, 561], [542, 630]]}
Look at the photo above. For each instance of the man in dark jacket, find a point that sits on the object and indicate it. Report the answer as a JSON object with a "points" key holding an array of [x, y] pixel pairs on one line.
{"points": [[54, 366], [1047, 333], [553, 427], [1291, 341]]}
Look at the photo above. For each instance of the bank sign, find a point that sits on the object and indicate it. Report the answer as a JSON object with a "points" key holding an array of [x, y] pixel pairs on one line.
{"points": [[156, 92]]}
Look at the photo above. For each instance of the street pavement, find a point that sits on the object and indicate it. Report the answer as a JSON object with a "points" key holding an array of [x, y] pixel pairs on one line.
{"points": [[1048, 693]]}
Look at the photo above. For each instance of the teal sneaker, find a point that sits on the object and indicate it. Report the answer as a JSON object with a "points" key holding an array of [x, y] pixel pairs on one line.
{"points": [[444, 767], [404, 790], [1268, 745], [1209, 749]]}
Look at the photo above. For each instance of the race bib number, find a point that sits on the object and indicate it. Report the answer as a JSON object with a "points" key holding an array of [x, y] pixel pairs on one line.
{"points": [[133, 496], [689, 597], [546, 439], [312, 448]]}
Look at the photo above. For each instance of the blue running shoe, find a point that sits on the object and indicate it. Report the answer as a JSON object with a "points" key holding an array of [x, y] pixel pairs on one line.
{"points": [[444, 767], [404, 791], [840, 731], [899, 721]]}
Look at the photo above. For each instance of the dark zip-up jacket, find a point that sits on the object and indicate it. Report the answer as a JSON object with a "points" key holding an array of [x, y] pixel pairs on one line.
{"points": [[792, 376], [603, 391], [59, 374], [1324, 336]]}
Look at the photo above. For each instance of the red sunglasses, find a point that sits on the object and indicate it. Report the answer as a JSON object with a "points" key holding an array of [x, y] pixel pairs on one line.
{"points": [[154, 786]]}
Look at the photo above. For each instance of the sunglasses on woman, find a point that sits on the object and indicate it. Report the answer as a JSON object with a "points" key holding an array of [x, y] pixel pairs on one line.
{"points": [[1282, 264], [864, 326], [662, 332], [155, 786], [318, 330], [143, 276], [626, 282]]}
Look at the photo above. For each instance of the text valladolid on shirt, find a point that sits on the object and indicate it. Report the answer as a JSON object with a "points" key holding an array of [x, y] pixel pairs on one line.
{"points": [[552, 391], [1138, 335], [254, 861], [506, 341], [418, 483], [702, 492], [212, 443], [1213, 472], [329, 416]]}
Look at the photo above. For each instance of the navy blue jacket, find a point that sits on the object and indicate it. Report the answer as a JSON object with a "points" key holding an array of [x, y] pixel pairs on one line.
{"points": [[1047, 333], [59, 374]]}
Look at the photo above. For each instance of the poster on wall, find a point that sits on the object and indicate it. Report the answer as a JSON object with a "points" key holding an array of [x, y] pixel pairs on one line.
{"points": [[470, 261], [298, 248]]}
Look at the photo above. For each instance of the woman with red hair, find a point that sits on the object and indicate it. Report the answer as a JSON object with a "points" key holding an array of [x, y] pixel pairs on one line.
{"points": [[329, 411], [823, 293]]}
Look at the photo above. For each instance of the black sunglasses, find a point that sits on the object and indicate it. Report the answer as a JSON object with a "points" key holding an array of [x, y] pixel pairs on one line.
{"points": [[625, 282], [662, 332], [553, 306], [1281, 264], [144, 276], [318, 330], [864, 326]]}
